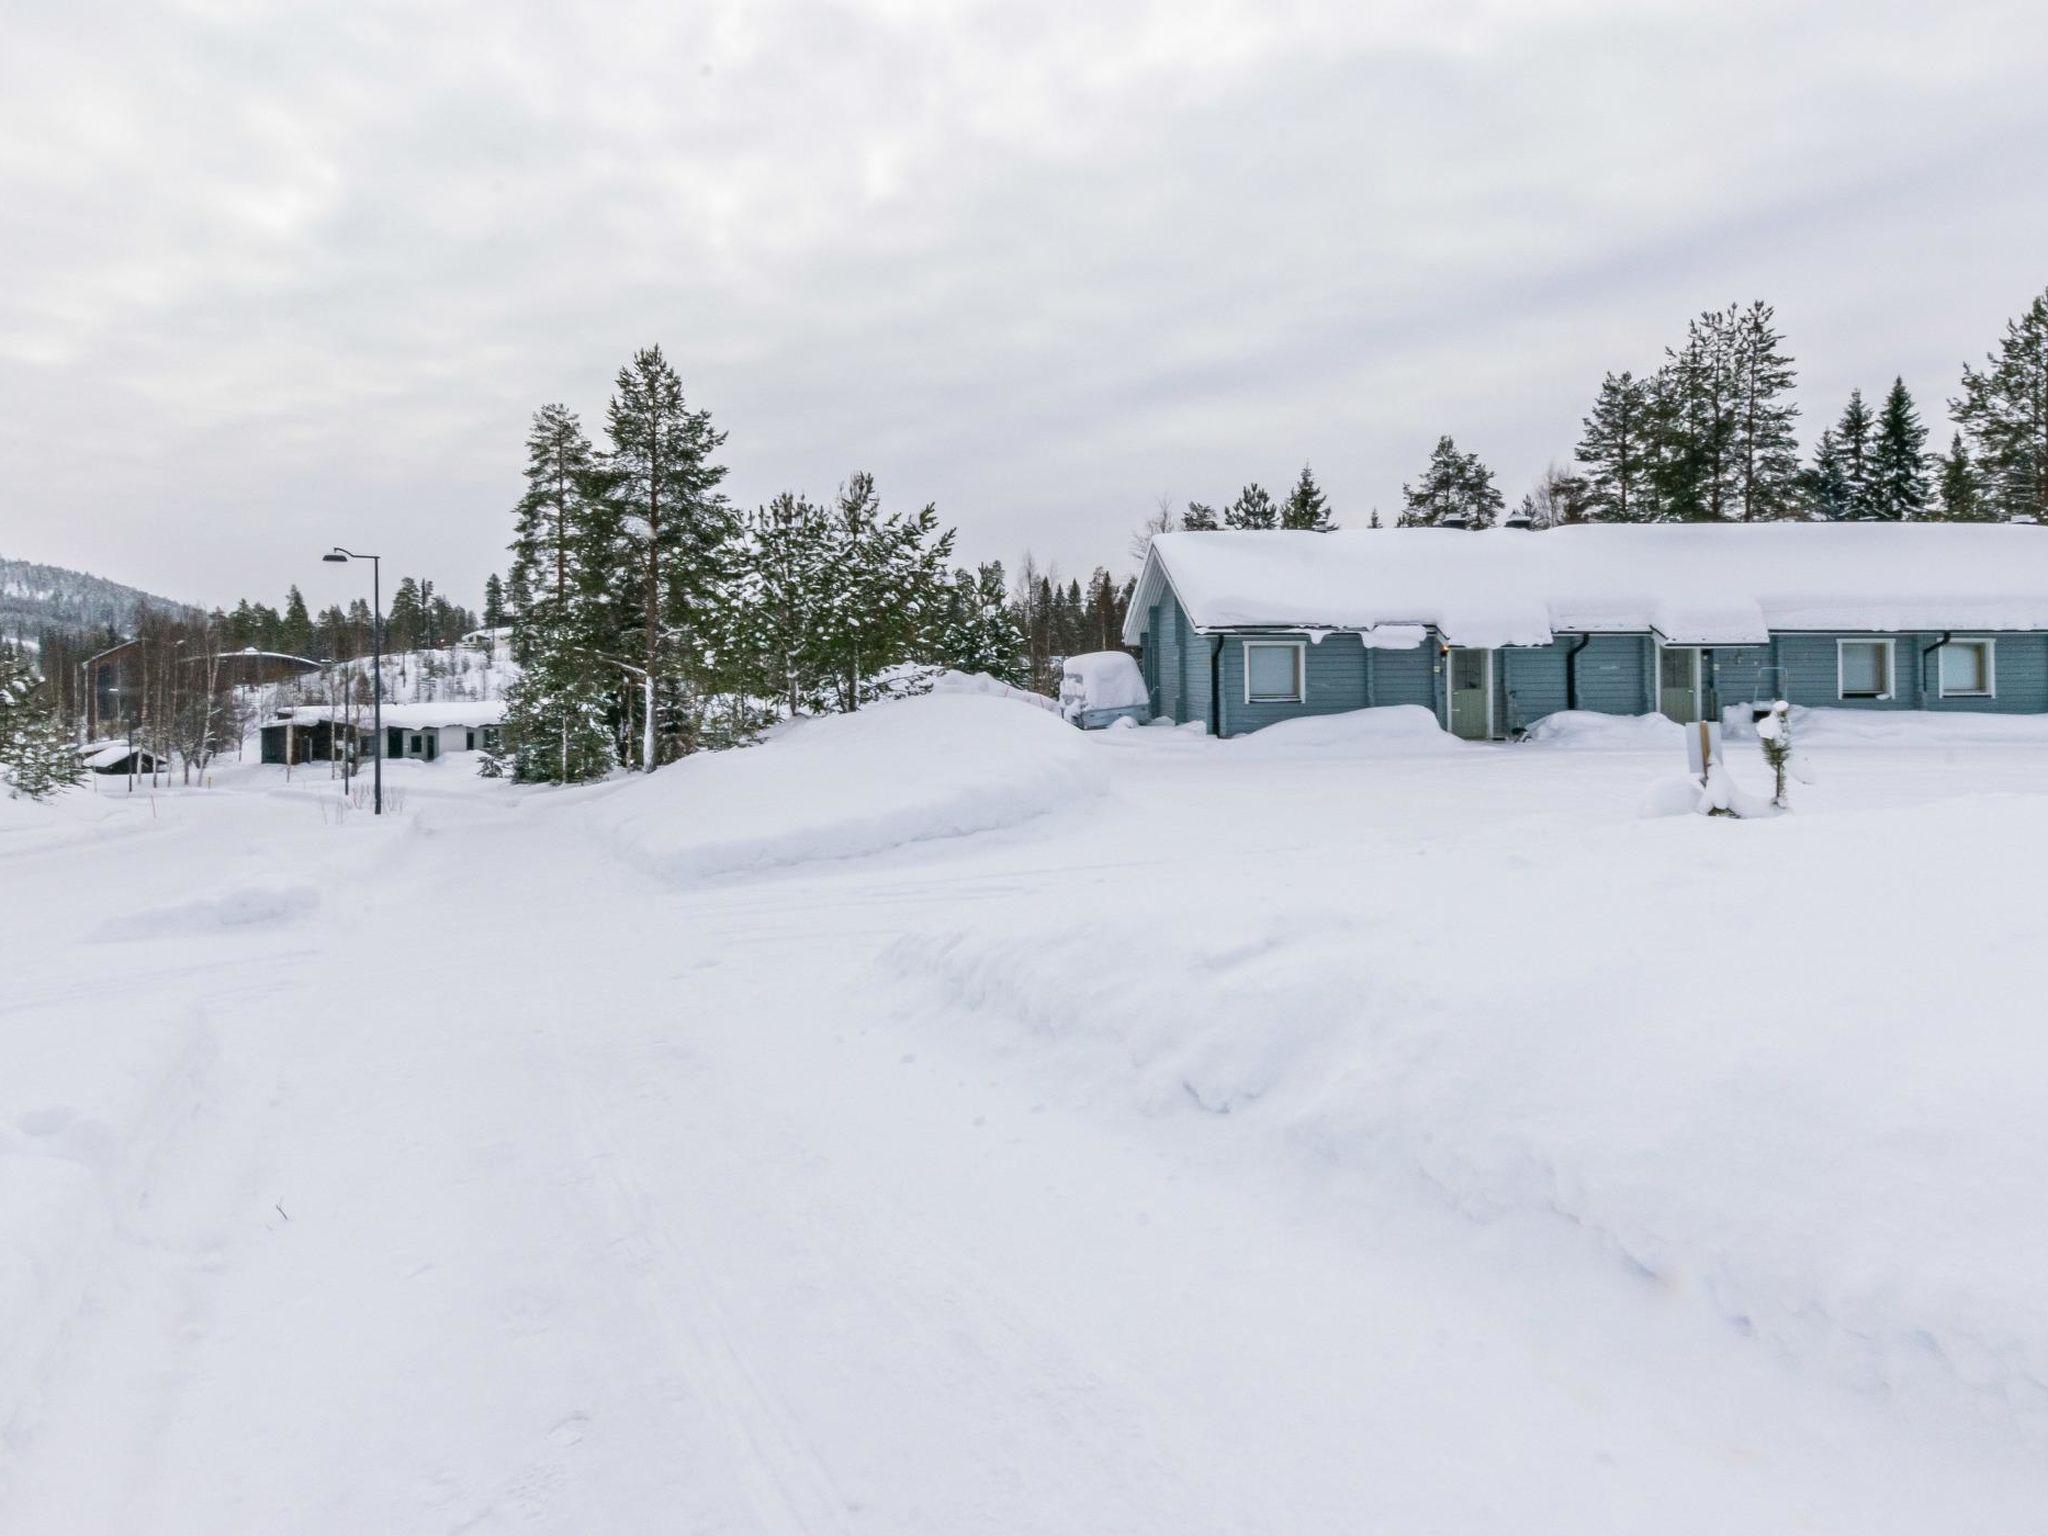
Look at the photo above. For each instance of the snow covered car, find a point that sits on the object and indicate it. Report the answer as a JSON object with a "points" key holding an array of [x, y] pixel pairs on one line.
{"points": [[1103, 687]]}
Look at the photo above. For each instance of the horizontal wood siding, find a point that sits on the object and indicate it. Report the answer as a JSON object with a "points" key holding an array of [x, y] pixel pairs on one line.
{"points": [[1615, 675], [2020, 673], [1333, 672], [1530, 684], [1405, 677], [1740, 674]]}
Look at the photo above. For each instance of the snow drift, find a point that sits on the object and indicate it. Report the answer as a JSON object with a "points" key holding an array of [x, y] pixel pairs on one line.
{"points": [[1387, 728], [1825, 1131], [944, 765], [1620, 733]]}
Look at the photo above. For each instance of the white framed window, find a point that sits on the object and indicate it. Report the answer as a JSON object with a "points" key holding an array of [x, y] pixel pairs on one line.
{"points": [[1863, 669], [1969, 670], [1273, 671]]}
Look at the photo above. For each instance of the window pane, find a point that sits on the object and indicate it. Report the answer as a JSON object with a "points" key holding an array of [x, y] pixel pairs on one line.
{"points": [[1272, 671], [1965, 668], [1863, 669]]}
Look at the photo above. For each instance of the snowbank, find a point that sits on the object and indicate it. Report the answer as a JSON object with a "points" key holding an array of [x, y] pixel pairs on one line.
{"points": [[944, 765], [1912, 728], [1828, 1133], [1390, 728], [1618, 733]]}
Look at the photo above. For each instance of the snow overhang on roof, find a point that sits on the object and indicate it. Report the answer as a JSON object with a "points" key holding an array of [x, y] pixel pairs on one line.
{"points": [[1690, 584]]}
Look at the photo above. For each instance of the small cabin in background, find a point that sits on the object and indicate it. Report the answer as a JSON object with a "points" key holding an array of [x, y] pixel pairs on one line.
{"points": [[117, 754]]}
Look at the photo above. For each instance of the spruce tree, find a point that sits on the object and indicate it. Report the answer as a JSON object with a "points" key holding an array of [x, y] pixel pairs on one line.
{"points": [[1853, 434], [494, 602], [1959, 489], [295, 628], [1764, 454], [1455, 490], [1824, 484], [1253, 510], [1898, 460], [2003, 411], [37, 757], [1615, 449], [1201, 518], [1306, 509]]}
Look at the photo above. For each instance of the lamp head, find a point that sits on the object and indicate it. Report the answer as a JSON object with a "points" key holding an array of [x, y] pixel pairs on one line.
{"points": [[337, 558]]}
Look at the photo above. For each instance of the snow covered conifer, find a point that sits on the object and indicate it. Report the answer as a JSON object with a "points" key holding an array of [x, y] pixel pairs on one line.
{"points": [[1824, 483], [37, 757], [295, 628], [1763, 453], [1306, 508], [1898, 459], [1201, 518], [979, 632]]}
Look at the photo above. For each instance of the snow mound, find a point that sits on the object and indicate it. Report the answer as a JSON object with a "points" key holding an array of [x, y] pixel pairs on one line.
{"points": [[942, 765], [948, 681], [1366, 732], [1585, 728], [1829, 1138], [1913, 727]]}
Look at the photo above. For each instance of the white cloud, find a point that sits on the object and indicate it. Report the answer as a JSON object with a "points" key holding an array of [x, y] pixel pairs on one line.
{"points": [[277, 275]]}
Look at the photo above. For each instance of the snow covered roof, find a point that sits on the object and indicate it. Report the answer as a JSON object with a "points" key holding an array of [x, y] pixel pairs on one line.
{"points": [[467, 712], [105, 754], [1691, 583]]}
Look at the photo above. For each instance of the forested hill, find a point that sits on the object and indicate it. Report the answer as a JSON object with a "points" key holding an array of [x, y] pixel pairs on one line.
{"points": [[35, 598]]}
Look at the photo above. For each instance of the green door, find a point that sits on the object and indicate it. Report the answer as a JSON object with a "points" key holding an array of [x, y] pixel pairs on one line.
{"points": [[1678, 683], [1470, 696]]}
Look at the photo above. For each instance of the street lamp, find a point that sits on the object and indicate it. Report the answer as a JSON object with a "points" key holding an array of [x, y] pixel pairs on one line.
{"points": [[340, 556]]}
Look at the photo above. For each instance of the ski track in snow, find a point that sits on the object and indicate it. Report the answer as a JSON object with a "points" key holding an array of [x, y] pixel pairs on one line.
{"points": [[472, 1179]]}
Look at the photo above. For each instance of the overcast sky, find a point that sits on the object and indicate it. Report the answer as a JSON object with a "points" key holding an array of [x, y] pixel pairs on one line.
{"points": [[275, 276]]}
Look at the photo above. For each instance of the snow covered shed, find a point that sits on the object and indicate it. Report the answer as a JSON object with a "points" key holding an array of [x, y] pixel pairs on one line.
{"points": [[116, 754], [1493, 630]]}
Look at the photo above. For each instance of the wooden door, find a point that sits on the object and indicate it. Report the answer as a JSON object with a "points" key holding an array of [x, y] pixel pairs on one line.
{"points": [[1678, 683], [1471, 693]]}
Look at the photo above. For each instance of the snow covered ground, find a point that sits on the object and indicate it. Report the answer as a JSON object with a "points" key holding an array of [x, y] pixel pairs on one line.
{"points": [[944, 1122]]}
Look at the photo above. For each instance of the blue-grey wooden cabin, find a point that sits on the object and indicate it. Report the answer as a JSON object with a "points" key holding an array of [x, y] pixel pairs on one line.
{"points": [[1493, 630]]}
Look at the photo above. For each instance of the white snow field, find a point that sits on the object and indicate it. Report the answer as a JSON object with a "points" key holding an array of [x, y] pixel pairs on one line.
{"points": [[944, 1122]]}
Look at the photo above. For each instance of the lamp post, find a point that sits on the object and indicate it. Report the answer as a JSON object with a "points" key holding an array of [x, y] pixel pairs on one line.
{"points": [[340, 556]]}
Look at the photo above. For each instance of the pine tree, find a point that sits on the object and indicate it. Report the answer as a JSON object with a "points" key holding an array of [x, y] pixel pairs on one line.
{"points": [[1306, 509], [887, 589], [1456, 490], [784, 583], [37, 757], [2003, 410], [1616, 452], [1253, 509], [1959, 487], [664, 483], [1898, 459], [1201, 518], [979, 632]]}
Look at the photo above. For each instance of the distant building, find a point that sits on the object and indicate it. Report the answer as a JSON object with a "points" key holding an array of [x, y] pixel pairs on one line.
{"points": [[113, 679], [117, 755], [320, 732]]}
